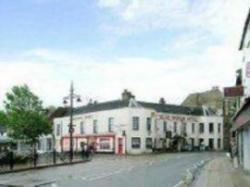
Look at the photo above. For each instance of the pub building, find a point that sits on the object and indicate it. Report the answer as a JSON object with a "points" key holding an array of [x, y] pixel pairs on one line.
{"points": [[128, 126]]}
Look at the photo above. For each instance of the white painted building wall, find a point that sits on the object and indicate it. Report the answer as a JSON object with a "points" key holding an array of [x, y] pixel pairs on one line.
{"points": [[245, 61], [123, 121], [244, 133], [243, 139]]}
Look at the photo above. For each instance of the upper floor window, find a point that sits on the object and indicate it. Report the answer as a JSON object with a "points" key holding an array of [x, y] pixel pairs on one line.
{"points": [[219, 127], [81, 127], [201, 129], [58, 129], [95, 126], [175, 127], [184, 128], [211, 127], [149, 124], [111, 124], [193, 127], [135, 123], [164, 126]]}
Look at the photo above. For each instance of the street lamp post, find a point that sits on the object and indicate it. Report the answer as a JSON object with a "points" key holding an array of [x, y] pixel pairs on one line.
{"points": [[71, 98]]}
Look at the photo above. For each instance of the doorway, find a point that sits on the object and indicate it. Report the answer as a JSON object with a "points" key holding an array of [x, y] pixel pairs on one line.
{"points": [[120, 146]]}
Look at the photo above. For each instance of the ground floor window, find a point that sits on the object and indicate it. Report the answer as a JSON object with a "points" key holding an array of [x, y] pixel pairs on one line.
{"points": [[149, 143], [82, 144], [201, 141], [104, 143], [192, 142], [219, 143], [136, 142], [39, 145], [211, 143], [49, 144]]}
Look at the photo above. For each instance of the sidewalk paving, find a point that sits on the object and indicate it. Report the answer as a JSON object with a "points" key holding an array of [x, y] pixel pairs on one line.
{"points": [[221, 173]]}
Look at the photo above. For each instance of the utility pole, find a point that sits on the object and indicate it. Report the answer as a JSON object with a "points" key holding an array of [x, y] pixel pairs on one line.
{"points": [[71, 98]]}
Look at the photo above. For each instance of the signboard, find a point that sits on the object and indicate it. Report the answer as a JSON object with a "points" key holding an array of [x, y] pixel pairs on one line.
{"points": [[248, 70], [235, 91], [182, 118]]}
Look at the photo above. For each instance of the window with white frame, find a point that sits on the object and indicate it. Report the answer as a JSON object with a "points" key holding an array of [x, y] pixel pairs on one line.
{"points": [[95, 127], [193, 128], [136, 142], [149, 143], [104, 143], [49, 144], [81, 127], [164, 126], [211, 127], [219, 143], [219, 127], [184, 128], [58, 129], [111, 124], [201, 129], [175, 127], [135, 122], [148, 123]]}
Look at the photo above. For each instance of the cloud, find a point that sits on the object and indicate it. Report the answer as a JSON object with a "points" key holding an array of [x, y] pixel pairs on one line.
{"points": [[222, 19], [214, 27], [49, 73]]}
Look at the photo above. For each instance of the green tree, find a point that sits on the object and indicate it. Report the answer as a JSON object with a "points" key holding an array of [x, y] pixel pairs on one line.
{"points": [[27, 119], [3, 118]]}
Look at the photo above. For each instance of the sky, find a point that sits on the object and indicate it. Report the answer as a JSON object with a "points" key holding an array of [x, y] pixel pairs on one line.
{"points": [[154, 48]]}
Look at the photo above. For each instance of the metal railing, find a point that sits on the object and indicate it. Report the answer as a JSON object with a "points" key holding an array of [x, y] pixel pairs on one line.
{"points": [[10, 161]]}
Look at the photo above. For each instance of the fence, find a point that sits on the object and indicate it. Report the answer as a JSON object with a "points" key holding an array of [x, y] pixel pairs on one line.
{"points": [[10, 161]]}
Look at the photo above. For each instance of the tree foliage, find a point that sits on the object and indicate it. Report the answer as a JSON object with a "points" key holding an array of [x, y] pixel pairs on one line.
{"points": [[3, 118], [26, 117]]}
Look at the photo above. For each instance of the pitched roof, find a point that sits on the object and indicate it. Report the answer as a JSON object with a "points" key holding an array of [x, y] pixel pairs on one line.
{"points": [[165, 108], [244, 30], [59, 112], [100, 107], [176, 109]]}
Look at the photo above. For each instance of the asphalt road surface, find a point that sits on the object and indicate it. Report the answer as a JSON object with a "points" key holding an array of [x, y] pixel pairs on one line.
{"points": [[158, 170]]}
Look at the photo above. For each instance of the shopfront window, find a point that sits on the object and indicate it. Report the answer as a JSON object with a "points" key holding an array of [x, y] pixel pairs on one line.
{"points": [[104, 144]]}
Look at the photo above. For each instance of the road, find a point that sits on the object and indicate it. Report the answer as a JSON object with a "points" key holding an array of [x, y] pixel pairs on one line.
{"points": [[113, 171]]}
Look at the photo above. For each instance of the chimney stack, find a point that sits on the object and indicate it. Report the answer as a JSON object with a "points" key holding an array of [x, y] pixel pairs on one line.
{"points": [[162, 101], [127, 95]]}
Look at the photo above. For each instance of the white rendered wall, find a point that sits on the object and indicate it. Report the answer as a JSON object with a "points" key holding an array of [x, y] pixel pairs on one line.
{"points": [[123, 122]]}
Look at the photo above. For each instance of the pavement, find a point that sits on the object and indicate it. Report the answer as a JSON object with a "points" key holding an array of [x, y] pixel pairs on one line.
{"points": [[154, 170], [221, 173]]}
